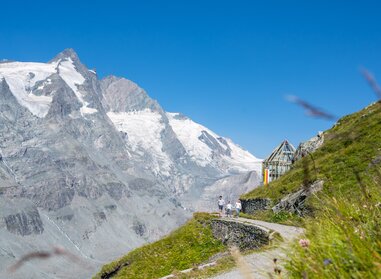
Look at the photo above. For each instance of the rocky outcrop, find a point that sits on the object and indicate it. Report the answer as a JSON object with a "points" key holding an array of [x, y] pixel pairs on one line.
{"points": [[242, 235], [309, 146], [252, 205], [139, 228], [24, 223], [295, 202]]}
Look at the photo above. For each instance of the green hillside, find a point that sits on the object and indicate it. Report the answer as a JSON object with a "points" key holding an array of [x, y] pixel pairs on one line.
{"points": [[344, 220], [187, 246], [346, 156]]}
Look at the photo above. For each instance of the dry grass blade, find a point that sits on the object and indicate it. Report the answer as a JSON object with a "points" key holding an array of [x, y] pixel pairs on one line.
{"points": [[306, 174], [59, 251], [242, 265], [310, 109], [372, 82], [375, 163], [361, 184], [43, 255], [28, 257]]}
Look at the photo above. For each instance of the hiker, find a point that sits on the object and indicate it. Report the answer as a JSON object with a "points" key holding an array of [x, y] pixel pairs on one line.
{"points": [[221, 204], [238, 207], [229, 209]]}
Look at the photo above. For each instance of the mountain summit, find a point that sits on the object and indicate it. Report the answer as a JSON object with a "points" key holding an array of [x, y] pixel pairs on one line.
{"points": [[99, 167], [65, 55]]}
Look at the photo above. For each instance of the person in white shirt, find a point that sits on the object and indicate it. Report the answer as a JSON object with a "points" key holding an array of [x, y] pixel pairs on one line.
{"points": [[229, 208], [238, 207], [221, 204]]}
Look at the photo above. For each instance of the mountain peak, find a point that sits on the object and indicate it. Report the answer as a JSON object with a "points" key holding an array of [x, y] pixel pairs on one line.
{"points": [[123, 95], [65, 54]]}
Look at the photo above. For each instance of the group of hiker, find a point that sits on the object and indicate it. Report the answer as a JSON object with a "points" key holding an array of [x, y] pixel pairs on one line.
{"points": [[229, 208]]}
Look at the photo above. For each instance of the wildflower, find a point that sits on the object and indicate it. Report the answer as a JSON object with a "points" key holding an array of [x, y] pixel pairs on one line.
{"points": [[327, 261], [305, 243], [362, 235]]}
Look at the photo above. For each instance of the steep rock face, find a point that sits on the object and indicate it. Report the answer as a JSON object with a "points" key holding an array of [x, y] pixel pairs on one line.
{"points": [[123, 95], [96, 166], [24, 223], [19, 218]]}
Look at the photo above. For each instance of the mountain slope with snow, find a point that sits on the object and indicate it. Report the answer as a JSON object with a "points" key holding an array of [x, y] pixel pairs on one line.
{"points": [[22, 79], [143, 132], [182, 154], [99, 167], [203, 145]]}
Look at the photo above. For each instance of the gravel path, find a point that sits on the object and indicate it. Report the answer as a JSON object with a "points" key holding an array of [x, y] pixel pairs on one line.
{"points": [[261, 263]]}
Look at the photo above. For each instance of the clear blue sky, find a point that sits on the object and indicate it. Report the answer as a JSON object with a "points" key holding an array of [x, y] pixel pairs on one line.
{"points": [[226, 64]]}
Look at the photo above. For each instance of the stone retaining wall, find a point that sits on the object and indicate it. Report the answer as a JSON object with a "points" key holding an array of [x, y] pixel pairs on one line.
{"points": [[239, 234], [253, 205]]}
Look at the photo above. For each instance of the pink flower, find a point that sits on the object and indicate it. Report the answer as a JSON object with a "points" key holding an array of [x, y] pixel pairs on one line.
{"points": [[304, 243]]}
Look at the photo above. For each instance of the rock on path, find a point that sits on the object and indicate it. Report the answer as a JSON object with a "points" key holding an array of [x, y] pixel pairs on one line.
{"points": [[261, 263]]}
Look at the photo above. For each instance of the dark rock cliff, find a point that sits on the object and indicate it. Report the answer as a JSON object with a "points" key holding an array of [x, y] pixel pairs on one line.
{"points": [[24, 223]]}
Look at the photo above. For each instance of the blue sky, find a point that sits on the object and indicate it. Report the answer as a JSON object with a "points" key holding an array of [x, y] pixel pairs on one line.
{"points": [[225, 64]]}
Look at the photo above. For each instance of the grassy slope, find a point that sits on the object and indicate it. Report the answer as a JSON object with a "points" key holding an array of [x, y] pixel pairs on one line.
{"points": [[344, 227], [349, 147], [189, 245]]}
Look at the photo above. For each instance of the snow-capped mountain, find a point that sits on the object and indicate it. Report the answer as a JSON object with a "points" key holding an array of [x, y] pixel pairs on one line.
{"points": [[179, 150], [207, 148], [97, 166]]}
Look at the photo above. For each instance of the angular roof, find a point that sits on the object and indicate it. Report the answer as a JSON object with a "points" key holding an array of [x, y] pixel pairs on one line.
{"points": [[282, 153]]}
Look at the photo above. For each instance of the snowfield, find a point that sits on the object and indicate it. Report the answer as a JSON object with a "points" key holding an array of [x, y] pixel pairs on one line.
{"points": [[144, 130], [21, 77], [189, 133]]}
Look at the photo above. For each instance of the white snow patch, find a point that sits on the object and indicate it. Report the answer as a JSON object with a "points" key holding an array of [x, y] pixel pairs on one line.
{"points": [[21, 77], [86, 110], [188, 133], [144, 130], [46, 82], [73, 78], [242, 160]]}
